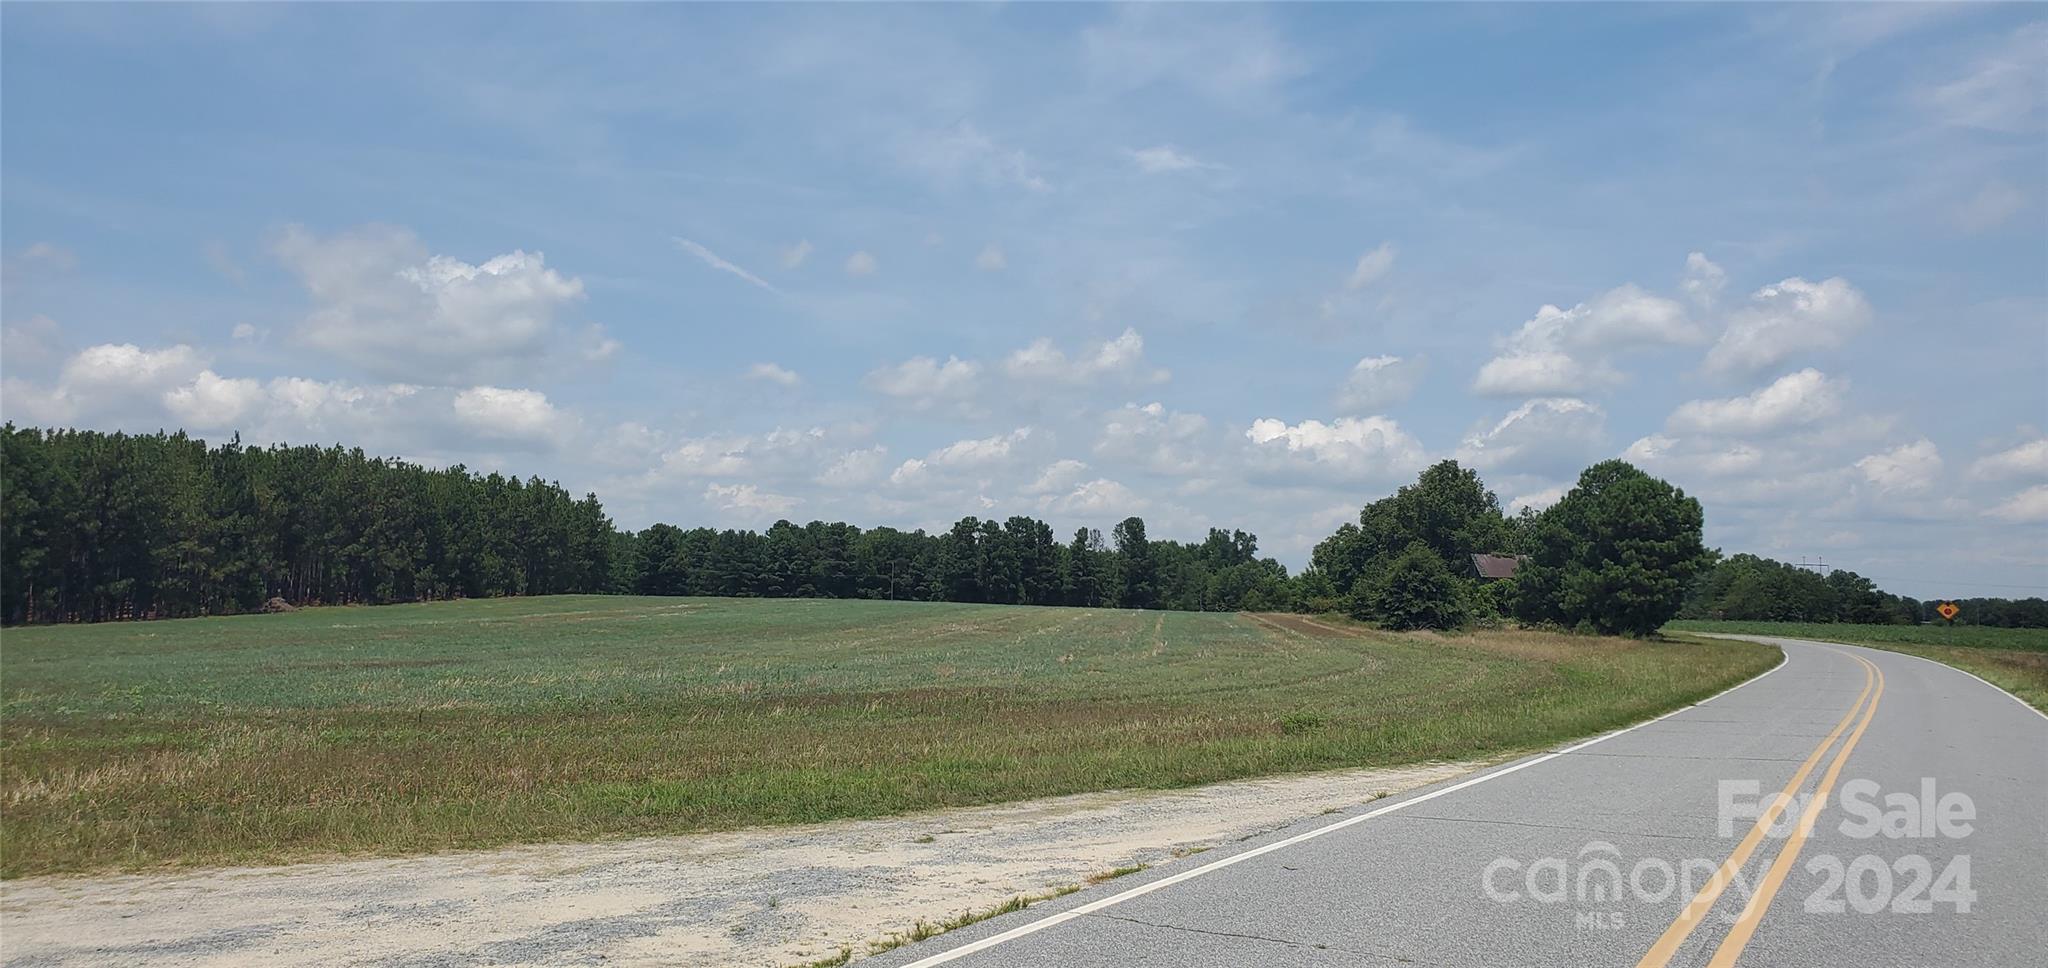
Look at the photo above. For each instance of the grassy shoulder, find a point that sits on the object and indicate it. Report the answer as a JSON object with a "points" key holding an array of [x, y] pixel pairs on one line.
{"points": [[2015, 660], [409, 729]]}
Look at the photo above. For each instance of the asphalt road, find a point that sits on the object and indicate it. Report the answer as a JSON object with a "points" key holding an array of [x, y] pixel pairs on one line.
{"points": [[1511, 867]]}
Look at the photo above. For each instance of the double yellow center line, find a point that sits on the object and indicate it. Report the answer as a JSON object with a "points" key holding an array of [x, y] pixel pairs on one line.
{"points": [[1745, 926]]}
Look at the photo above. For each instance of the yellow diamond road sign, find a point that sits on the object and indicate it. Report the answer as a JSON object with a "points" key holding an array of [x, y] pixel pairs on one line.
{"points": [[1948, 610]]}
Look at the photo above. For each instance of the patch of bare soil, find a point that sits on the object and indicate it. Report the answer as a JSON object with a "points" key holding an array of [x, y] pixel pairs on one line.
{"points": [[769, 897]]}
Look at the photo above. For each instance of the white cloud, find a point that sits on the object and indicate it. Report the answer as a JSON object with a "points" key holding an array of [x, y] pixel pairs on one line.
{"points": [[1123, 356], [244, 332], [708, 457], [2028, 460], [856, 468], [1098, 498], [1537, 500], [1541, 373], [1686, 458], [1703, 280], [909, 472], [498, 413], [2027, 507], [1788, 318], [1551, 434], [1379, 382], [1368, 448], [1908, 469], [979, 452], [212, 401], [861, 264], [715, 261], [1057, 476], [1371, 266], [749, 499], [1156, 439], [1160, 159], [382, 303], [1793, 400], [795, 255], [923, 381], [771, 373], [126, 368], [991, 258], [1564, 352]]}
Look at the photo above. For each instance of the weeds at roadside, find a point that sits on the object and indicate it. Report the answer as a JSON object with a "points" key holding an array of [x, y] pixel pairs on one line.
{"points": [[923, 930]]}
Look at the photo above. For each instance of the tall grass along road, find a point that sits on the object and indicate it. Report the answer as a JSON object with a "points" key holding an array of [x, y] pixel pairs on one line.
{"points": [[411, 729]]}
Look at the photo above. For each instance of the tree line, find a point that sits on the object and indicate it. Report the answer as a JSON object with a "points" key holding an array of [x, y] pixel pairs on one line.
{"points": [[1749, 588], [97, 526]]}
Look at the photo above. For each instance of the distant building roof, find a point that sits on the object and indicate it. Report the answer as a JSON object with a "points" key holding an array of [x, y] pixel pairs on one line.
{"points": [[1491, 567]]}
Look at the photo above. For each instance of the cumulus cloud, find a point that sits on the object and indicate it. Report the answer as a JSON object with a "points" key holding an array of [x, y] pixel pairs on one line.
{"points": [[510, 415], [856, 468], [716, 261], [1554, 435], [2027, 507], [1536, 500], [1565, 352], [1379, 382], [861, 264], [211, 401], [1703, 280], [923, 381], [1156, 439], [1057, 476], [383, 303], [1367, 448], [1793, 400], [1693, 457], [980, 451], [1099, 498], [771, 373], [1123, 356], [1371, 267], [1791, 317], [1907, 469], [2029, 459], [749, 500]]}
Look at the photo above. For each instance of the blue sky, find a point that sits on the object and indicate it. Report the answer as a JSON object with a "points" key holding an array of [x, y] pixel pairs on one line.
{"points": [[1213, 265]]}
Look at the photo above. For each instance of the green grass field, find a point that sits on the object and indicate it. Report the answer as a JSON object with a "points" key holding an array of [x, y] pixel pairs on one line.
{"points": [[416, 728], [2015, 659]]}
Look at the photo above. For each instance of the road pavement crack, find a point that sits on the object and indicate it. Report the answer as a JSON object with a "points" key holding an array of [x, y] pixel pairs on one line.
{"points": [[1312, 945]]}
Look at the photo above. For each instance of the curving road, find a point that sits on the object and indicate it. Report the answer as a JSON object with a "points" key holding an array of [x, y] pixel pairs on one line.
{"points": [[1914, 832]]}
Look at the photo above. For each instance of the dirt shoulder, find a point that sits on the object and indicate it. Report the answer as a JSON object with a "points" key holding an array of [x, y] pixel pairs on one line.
{"points": [[770, 898]]}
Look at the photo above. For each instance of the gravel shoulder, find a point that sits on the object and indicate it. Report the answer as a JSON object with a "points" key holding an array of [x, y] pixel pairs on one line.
{"points": [[767, 898]]}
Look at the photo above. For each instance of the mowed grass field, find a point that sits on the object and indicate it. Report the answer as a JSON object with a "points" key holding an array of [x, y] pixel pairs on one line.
{"points": [[417, 728], [2014, 659]]}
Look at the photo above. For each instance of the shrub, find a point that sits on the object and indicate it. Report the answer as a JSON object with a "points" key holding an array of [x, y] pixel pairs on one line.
{"points": [[1417, 591]]}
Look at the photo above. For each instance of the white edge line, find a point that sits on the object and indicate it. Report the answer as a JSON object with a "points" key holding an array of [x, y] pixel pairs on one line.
{"points": [[2029, 707], [1147, 888]]}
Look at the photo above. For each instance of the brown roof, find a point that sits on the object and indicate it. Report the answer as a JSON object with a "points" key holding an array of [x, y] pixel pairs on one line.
{"points": [[1496, 566]]}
